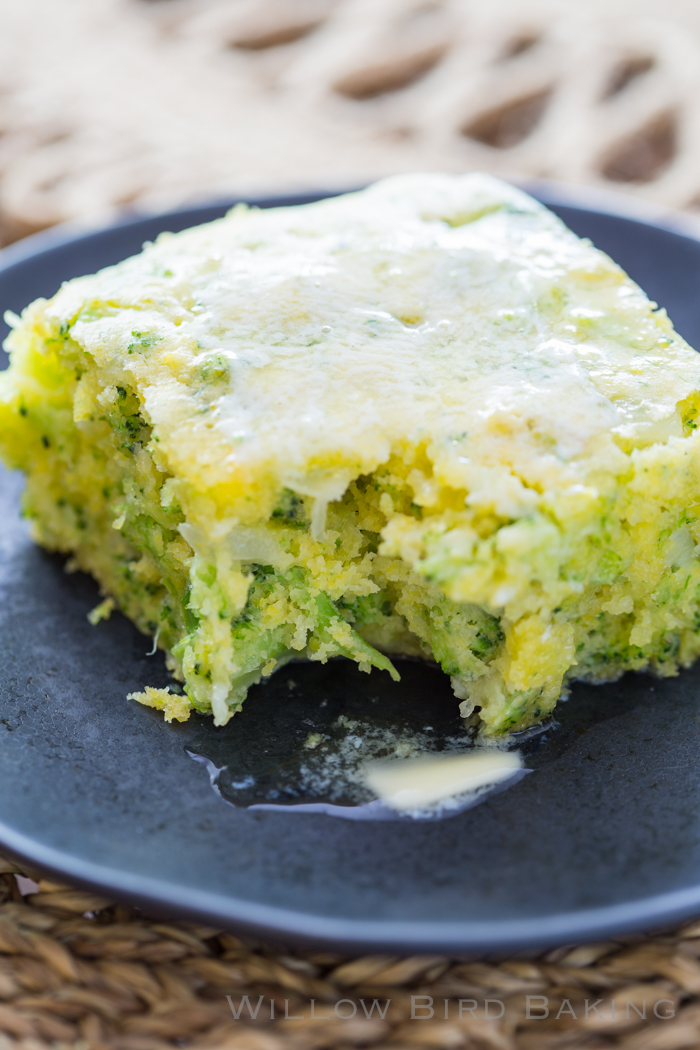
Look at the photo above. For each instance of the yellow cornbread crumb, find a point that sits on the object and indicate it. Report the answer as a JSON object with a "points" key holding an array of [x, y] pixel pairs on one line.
{"points": [[174, 707], [103, 611]]}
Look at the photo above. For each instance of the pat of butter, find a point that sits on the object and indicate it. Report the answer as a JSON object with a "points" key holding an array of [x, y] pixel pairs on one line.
{"points": [[414, 783]]}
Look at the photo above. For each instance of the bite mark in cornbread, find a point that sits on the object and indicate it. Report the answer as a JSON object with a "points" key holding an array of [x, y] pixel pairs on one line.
{"points": [[423, 419]]}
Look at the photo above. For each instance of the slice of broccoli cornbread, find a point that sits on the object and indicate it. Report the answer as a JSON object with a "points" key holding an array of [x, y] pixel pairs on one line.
{"points": [[425, 418]]}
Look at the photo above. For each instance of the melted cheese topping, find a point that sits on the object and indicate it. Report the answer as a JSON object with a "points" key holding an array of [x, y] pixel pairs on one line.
{"points": [[300, 347]]}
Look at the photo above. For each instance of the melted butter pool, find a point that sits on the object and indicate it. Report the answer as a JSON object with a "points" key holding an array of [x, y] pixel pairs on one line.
{"points": [[329, 739]]}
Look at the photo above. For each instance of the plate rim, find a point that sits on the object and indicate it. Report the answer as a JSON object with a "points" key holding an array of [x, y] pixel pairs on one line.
{"points": [[282, 925], [286, 926]]}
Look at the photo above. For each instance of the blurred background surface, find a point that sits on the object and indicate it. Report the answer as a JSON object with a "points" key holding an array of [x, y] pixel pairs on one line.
{"points": [[149, 104]]}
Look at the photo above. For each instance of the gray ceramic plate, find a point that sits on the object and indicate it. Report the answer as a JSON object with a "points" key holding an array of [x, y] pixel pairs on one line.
{"points": [[603, 836]]}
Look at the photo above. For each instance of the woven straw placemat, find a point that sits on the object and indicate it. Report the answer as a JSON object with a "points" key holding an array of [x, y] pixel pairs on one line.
{"points": [[107, 104], [78, 971]]}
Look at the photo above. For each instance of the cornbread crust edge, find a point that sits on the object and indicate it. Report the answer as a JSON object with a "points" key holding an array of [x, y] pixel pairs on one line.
{"points": [[421, 419]]}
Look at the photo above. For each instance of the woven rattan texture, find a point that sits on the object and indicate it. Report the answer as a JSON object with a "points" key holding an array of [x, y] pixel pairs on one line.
{"points": [[149, 103], [79, 972]]}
